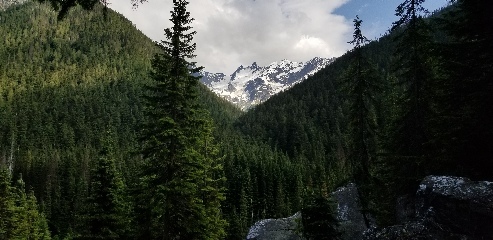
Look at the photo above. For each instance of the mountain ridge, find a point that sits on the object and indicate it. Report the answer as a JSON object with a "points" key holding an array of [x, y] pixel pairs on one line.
{"points": [[249, 86]]}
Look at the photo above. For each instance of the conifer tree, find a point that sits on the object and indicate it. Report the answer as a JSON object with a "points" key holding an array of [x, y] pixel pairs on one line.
{"points": [[38, 226], [182, 173], [19, 214], [364, 85], [415, 72], [6, 205], [319, 220], [108, 208]]}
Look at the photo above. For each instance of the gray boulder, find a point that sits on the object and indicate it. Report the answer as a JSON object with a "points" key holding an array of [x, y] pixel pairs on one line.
{"points": [[463, 206], [352, 222], [446, 208], [276, 229], [348, 213]]}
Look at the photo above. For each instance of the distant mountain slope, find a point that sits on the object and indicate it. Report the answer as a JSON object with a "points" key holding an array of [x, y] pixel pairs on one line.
{"points": [[251, 85], [84, 50], [64, 85]]}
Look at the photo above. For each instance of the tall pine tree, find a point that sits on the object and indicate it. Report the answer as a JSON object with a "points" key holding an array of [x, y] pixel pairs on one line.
{"points": [[108, 207], [363, 85], [319, 219], [415, 72], [182, 174]]}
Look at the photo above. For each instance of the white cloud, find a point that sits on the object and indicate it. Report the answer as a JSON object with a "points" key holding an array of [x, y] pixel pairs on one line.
{"points": [[238, 32], [308, 43]]}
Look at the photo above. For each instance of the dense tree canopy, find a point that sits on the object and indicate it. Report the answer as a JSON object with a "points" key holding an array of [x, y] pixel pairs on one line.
{"points": [[19, 214]]}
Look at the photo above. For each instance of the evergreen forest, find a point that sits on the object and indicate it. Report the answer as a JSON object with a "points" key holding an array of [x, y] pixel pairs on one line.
{"points": [[105, 134]]}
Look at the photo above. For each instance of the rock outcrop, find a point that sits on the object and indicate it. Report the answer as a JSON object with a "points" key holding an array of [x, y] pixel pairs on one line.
{"points": [[446, 208], [348, 213], [443, 208], [276, 229]]}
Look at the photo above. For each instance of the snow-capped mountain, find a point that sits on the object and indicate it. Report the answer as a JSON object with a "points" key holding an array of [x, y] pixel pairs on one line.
{"points": [[249, 86]]}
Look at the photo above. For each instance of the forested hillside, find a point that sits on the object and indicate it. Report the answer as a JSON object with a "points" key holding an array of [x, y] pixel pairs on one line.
{"points": [[416, 102], [72, 95], [412, 103]]}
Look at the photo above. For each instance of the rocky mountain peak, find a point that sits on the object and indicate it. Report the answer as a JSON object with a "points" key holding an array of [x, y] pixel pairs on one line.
{"points": [[251, 85], [254, 65]]}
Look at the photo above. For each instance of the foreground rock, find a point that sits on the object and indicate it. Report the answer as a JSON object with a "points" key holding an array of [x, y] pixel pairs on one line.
{"points": [[348, 213], [276, 229], [446, 208], [352, 222]]}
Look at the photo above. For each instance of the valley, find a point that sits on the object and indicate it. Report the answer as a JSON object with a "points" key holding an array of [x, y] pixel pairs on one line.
{"points": [[106, 134]]}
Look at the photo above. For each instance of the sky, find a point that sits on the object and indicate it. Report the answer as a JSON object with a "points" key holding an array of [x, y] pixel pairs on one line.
{"points": [[231, 33]]}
